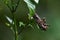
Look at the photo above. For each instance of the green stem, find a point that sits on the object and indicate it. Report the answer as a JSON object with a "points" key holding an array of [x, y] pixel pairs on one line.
{"points": [[14, 20], [15, 24], [16, 33], [15, 27]]}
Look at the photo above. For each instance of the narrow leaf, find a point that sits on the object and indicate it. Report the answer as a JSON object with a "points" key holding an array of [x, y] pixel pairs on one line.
{"points": [[10, 20], [31, 7], [37, 1]]}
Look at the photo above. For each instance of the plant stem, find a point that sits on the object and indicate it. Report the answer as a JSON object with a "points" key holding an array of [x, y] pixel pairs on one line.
{"points": [[16, 33], [14, 20], [15, 27], [14, 8]]}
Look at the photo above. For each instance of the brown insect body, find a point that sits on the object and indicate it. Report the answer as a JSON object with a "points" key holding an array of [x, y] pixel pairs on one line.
{"points": [[41, 22]]}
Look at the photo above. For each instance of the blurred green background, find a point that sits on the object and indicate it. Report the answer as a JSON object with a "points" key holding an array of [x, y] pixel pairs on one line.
{"points": [[46, 8]]}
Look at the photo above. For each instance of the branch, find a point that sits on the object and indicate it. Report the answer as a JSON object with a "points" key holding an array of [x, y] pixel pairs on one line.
{"points": [[17, 5]]}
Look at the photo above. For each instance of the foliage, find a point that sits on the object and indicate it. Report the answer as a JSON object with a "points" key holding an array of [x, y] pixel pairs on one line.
{"points": [[20, 25]]}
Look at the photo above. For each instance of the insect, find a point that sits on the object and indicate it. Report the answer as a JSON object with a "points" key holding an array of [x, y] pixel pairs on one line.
{"points": [[41, 22]]}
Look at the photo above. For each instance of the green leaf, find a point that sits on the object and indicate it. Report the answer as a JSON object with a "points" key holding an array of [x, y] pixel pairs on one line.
{"points": [[8, 24], [37, 1], [9, 19], [31, 7], [21, 24], [31, 26]]}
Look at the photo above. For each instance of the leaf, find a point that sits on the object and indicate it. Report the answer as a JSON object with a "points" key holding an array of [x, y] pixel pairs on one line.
{"points": [[29, 3], [21, 24], [31, 7], [10, 20], [37, 1], [31, 26], [8, 24]]}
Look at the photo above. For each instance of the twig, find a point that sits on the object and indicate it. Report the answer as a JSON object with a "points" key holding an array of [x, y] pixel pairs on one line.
{"points": [[17, 5], [15, 24]]}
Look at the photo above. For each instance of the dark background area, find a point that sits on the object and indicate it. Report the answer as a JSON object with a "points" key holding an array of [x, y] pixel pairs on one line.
{"points": [[46, 8]]}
